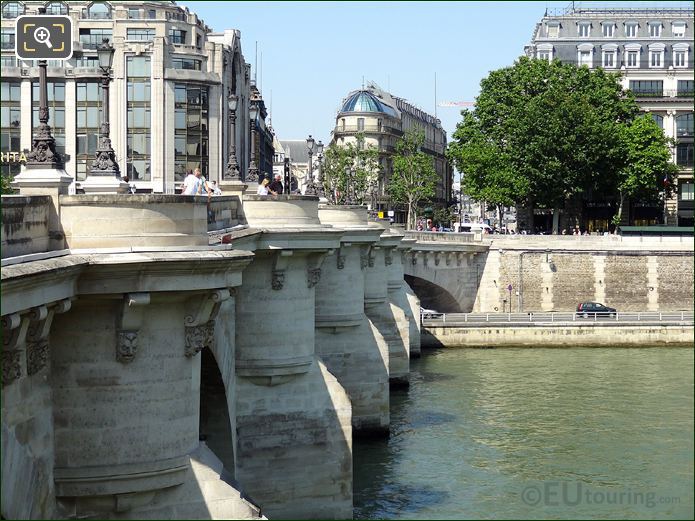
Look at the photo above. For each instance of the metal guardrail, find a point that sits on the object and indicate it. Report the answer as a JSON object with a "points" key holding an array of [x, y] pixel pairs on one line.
{"points": [[544, 318]]}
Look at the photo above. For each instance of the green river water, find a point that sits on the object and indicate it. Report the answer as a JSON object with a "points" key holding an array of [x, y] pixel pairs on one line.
{"points": [[536, 433]]}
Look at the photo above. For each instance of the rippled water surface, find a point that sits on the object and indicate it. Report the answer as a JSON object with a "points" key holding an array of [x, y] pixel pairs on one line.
{"points": [[535, 433]]}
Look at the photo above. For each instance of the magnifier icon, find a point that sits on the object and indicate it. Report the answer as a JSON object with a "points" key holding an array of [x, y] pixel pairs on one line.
{"points": [[43, 35]]}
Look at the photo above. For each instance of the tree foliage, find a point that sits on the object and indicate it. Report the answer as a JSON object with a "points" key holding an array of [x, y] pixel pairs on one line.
{"points": [[351, 172], [5, 187], [414, 177], [543, 133], [647, 162]]}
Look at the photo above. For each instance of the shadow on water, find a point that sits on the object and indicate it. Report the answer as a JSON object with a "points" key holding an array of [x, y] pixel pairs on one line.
{"points": [[381, 488]]}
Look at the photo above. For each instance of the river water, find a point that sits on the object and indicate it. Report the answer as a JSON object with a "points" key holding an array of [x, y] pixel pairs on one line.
{"points": [[535, 433]]}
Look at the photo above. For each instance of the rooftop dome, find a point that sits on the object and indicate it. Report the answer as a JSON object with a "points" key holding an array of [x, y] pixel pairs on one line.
{"points": [[365, 101]]}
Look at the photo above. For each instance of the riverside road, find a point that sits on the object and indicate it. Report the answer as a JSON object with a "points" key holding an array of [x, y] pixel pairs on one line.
{"points": [[641, 318]]}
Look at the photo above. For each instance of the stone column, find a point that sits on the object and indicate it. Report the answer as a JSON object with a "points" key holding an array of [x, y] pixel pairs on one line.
{"points": [[405, 297], [294, 439], [379, 309], [349, 344], [126, 388]]}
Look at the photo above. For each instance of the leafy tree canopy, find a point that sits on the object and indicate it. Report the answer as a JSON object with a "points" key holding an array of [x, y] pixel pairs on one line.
{"points": [[414, 177], [545, 132]]}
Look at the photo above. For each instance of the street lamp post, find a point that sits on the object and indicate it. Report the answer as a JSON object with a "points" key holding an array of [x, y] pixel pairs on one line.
{"points": [[43, 152], [105, 163], [310, 186], [232, 171], [319, 155], [252, 174]]}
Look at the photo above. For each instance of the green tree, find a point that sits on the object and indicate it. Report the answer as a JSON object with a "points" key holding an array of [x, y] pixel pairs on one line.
{"points": [[487, 173], [351, 172], [543, 133], [5, 187], [414, 177], [646, 164]]}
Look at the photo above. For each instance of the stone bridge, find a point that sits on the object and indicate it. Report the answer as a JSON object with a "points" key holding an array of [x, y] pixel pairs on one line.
{"points": [[166, 357], [444, 269], [156, 365]]}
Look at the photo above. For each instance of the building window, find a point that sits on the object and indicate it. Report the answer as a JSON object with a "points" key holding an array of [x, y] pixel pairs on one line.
{"points": [[139, 118], [680, 59], [659, 120], [198, 41], [553, 31], [138, 33], [56, 111], [631, 30], [632, 59], [177, 36], [56, 8], [608, 59], [684, 125], [87, 109], [544, 53], [656, 58], [686, 192], [684, 154], [608, 29], [152, 14], [680, 55], [90, 38], [186, 63], [99, 11], [190, 129], [11, 118], [12, 9], [678, 29], [7, 39], [9, 61], [584, 30], [91, 62], [647, 88], [655, 29], [686, 87], [360, 124], [585, 58], [133, 13]]}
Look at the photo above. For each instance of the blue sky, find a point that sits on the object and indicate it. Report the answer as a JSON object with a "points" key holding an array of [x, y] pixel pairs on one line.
{"points": [[314, 53]]}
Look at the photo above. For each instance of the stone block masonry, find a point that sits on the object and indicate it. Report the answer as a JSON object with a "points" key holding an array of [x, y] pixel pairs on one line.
{"points": [[627, 277]]}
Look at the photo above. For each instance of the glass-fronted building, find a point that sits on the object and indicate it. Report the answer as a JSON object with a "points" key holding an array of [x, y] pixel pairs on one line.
{"points": [[172, 77]]}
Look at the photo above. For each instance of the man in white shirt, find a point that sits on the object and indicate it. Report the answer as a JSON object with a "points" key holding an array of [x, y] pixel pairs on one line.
{"points": [[191, 185]]}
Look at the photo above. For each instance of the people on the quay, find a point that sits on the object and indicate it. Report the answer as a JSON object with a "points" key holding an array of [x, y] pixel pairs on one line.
{"points": [[204, 187], [215, 189], [263, 187], [275, 187], [191, 184]]}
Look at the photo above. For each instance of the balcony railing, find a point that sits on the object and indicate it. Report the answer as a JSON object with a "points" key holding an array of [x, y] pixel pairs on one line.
{"points": [[664, 93], [345, 129]]}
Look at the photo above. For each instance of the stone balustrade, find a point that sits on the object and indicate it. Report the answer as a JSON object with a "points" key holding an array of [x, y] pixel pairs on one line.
{"points": [[25, 225]]}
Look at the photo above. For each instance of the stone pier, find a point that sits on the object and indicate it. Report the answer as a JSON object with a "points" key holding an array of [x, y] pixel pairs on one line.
{"points": [[294, 436], [350, 345], [388, 318]]}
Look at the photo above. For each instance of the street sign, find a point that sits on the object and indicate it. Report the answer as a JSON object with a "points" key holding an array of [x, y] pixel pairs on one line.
{"points": [[43, 37]]}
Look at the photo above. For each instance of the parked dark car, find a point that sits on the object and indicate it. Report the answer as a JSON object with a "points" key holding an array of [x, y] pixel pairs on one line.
{"points": [[594, 309]]}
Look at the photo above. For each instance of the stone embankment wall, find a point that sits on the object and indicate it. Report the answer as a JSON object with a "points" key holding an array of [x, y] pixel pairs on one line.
{"points": [[599, 335], [555, 274]]}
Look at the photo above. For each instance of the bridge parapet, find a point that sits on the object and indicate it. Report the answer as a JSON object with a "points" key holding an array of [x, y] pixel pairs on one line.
{"points": [[25, 224]]}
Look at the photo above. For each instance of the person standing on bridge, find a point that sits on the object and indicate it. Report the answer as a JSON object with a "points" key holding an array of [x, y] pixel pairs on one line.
{"points": [[275, 187]]}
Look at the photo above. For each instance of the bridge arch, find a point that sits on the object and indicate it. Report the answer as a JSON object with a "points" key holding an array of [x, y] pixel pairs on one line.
{"points": [[433, 296]]}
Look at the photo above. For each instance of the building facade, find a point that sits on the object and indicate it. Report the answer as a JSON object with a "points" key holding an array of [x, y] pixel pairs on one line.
{"points": [[652, 49], [382, 118], [169, 109]]}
